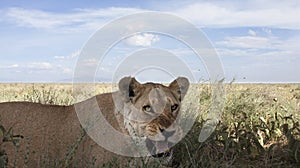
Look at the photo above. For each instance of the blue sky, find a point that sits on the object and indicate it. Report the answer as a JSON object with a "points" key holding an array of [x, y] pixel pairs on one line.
{"points": [[257, 40]]}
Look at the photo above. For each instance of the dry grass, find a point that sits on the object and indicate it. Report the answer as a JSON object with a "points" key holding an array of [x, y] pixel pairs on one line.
{"points": [[59, 94]]}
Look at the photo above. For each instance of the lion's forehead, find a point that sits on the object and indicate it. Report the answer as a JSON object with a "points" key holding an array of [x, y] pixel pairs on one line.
{"points": [[157, 96]]}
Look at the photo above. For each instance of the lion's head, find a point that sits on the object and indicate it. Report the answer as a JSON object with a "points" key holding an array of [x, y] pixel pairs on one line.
{"points": [[151, 111]]}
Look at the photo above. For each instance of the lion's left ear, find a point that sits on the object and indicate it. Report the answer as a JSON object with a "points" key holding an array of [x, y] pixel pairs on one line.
{"points": [[180, 86], [129, 87]]}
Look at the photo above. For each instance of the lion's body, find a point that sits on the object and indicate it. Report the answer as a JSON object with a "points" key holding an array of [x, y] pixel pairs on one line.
{"points": [[53, 135], [52, 132]]}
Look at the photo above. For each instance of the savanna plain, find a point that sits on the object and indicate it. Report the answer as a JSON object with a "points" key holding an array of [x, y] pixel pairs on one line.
{"points": [[259, 125]]}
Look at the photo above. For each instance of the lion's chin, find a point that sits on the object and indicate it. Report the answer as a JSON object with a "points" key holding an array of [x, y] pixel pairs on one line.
{"points": [[159, 148]]}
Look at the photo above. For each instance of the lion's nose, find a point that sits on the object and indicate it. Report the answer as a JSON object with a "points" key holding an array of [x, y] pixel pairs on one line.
{"points": [[165, 133]]}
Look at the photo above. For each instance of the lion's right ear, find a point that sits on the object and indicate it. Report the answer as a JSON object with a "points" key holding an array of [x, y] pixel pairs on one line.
{"points": [[129, 87], [180, 86]]}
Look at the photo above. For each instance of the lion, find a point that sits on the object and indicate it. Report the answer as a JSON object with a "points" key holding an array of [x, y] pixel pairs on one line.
{"points": [[52, 134]]}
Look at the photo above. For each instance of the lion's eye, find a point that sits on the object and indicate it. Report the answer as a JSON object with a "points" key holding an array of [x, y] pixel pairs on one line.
{"points": [[174, 107], [147, 108]]}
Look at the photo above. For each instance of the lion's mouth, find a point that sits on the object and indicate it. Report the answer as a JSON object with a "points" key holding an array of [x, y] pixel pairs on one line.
{"points": [[159, 148]]}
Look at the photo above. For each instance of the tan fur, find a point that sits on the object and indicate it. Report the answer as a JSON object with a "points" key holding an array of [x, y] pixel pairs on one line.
{"points": [[50, 131]]}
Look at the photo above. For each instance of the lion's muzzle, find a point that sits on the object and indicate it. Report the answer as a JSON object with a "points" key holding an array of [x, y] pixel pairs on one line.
{"points": [[159, 148]]}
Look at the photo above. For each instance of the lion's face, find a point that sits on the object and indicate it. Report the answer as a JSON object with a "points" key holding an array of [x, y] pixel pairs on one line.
{"points": [[151, 111]]}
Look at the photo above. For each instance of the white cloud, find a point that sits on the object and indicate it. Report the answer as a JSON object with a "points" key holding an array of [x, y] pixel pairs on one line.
{"points": [[72, 55], [59, 57], [67, 71], [75, 54], [261, 47], [33, 66], [252, 32], [250, 42], [79, 19], [267, 31], [225, 52], [278, 14], [40, 65], [10, 66], [182, 51], [90, 62], [145, 39]]}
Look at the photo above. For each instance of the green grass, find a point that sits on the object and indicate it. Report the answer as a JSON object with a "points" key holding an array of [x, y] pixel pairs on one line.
{"points": [[259, 125], [259, 128]]}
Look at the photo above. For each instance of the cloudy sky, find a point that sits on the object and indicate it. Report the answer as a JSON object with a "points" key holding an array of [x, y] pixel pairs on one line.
{"points": [[256, 40]]}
